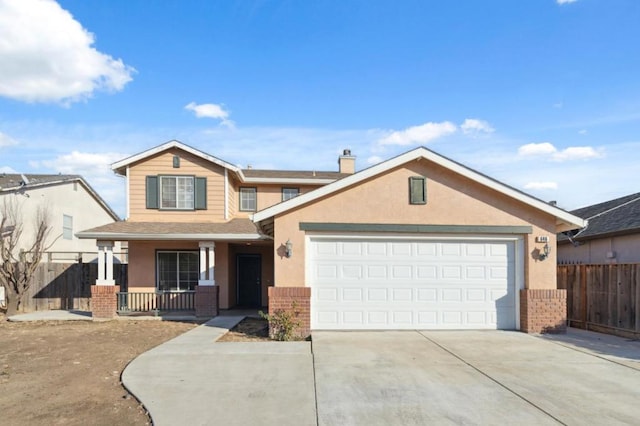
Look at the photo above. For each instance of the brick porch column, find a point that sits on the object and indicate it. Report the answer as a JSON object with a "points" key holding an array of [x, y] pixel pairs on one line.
{"points": [[104, 301], [283, 298], [207, 300], [543, 311]]}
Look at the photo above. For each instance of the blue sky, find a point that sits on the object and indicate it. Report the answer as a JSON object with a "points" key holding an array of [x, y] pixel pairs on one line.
{"points": [[543, 95]]}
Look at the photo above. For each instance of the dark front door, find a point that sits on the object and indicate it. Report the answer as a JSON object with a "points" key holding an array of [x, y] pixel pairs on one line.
{"points": [[248, 281]]}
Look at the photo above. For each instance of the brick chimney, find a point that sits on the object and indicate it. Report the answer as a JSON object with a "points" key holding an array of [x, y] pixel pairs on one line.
{"points": [[347, 162]]}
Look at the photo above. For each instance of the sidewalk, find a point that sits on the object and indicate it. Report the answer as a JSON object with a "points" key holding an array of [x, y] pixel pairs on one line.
{"points": [[194, 380]]}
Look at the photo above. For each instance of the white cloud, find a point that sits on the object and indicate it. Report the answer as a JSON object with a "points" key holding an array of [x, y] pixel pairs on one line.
{"points": [[374, 159], [576, 153], [548, 150], [565, 1], [541, 185], [83, 163], [473, 126], [214, 111], [423, 133], [6, 140], [47, 56], [533, 149], [558, 105], [94, 168], [583, 132], [7, 169]]}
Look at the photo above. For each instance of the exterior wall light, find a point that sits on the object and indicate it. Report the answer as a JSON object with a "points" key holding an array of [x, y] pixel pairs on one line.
{"points": [[288, 248], [545, 252]]}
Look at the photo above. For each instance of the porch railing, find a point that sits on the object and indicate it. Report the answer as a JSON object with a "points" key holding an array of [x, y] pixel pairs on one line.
{"points": [[129, 303]]}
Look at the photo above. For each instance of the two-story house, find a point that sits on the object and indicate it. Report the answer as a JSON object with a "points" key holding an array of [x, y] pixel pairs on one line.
{"points": [[71, 205], [417, 241]]}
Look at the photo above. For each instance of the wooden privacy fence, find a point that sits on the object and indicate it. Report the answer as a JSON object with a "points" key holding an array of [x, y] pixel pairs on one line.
{"points": [[66, 286], [603, 298]]}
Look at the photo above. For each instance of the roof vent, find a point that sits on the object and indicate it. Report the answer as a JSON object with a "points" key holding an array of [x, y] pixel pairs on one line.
{"points": [[553, 203], [346, 152]]}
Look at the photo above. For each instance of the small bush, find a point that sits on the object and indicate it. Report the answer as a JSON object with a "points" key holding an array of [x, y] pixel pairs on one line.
{"points": [[283, 323]]}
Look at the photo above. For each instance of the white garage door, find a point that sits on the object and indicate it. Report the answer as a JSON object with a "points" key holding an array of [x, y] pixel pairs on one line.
{"points": [[368, 283]]}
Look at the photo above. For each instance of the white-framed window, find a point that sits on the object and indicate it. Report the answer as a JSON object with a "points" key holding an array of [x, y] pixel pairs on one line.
{"points": [[289, 193], [177, 192], [177, 270], [248, 199], [67, 227]]}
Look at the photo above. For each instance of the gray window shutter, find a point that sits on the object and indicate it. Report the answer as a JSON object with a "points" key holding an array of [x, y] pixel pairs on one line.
{"points": [[417, 190], [201, 193], [152, 192]]}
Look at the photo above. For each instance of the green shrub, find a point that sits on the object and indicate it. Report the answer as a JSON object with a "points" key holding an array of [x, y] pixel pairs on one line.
{"points": [[283, 324]]}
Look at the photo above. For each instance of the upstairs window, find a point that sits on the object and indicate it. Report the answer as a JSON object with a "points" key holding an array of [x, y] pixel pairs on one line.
{"points": [[289, 193], [176, 192], [248, 199], [417, 190]]}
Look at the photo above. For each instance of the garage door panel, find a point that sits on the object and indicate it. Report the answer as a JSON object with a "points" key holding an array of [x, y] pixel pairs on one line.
{"points": [[378, 294], [408, 284], [402, 295], [401, 272], [352, 295]]}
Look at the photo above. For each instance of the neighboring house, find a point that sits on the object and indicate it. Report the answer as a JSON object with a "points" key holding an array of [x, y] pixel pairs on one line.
{"points": [[415, 242], [612, 235], [72, 205]]}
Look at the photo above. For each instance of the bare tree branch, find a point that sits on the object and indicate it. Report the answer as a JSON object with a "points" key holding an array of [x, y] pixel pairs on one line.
{"points": [[17, 265]]}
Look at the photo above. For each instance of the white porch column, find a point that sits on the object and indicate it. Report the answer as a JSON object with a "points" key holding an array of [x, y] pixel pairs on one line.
{"points": [[105, 263], [207, 263]]}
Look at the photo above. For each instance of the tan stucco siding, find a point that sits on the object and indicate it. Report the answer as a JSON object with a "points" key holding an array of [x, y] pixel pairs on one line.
{"points": [[162, 164], [451, 200]]}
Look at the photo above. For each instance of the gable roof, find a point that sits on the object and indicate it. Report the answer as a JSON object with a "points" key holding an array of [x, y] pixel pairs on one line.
{"points": [[564, 220], [120, 166], [613, 217], [16, 182], [244, 175]]}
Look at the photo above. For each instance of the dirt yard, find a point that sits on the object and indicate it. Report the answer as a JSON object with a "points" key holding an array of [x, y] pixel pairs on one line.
{"points": [[54, 373], [248, 330]]}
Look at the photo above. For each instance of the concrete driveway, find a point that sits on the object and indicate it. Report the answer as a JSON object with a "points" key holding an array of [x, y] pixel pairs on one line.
{"points": [[390, 378], [474, 377]]}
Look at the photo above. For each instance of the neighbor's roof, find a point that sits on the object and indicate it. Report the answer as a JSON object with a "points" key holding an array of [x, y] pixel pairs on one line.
{"points": [[244, 175], [564, 220], [236, 229], [614, 217], [14, 182]]}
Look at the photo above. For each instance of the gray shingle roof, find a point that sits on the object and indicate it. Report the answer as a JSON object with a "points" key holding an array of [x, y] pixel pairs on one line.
{"points": [[172, 230], [13, 181], [291, 174], [614, 217]]}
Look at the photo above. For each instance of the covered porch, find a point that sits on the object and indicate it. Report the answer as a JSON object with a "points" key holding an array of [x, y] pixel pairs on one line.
{"points": [[181, 269]]}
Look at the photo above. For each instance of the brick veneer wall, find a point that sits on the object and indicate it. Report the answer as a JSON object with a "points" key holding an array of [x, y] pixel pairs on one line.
{"points": [[104, 301], [207, 300], [543, 311], [283, 298]]}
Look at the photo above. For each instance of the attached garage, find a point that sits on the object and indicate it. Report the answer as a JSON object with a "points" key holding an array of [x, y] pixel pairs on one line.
{"points": [[420, 282], [417, 242]]}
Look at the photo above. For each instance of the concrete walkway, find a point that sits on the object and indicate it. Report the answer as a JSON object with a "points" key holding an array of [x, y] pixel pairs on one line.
{"points": [[193, 380], [54, 315]]}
